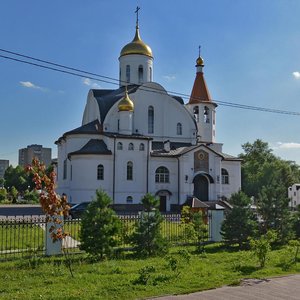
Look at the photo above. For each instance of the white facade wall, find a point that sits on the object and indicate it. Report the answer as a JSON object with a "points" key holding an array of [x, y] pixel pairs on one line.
{"points": [[294, 195], [172, 165], [135, 61], [136, 188], [83, 183], [234, 171]]}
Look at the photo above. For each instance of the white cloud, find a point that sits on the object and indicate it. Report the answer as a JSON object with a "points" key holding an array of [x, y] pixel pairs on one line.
{"points": [[287, 146], [296, 74], [31, 85], [169, 77], [90, 83]]}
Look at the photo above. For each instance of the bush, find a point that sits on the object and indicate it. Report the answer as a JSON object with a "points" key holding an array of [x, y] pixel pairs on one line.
{"points": [[262, 246], [3, 194], [99, 227]]}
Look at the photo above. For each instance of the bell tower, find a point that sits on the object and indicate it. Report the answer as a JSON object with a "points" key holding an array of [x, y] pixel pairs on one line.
{"points": [[202, 107]]}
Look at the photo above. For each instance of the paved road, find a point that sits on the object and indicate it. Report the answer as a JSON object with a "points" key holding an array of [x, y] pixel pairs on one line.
{"points": [[278, 288]]}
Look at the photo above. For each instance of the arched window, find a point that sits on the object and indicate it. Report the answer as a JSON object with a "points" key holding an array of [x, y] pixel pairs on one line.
{"points": [[225, 176], [130, 170], [162, 175], [179, 129], [142, 147], [129, 199], [150, 71], [120, 146], [196, 113], [100, 172], [150, 119], [141, 74], [206, 114], [65, 170], [127, 73], [130, 146]]}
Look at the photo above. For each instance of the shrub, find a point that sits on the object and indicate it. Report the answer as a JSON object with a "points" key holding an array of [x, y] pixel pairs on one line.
{"points": [[262, 246], [99, 227]]}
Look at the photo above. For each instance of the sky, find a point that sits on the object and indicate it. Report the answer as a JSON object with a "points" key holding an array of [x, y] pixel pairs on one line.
{"points": [[251, 51]]}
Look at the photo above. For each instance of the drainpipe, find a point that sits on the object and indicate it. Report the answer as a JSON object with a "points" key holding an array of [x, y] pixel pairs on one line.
{"points": [[114, 170]]}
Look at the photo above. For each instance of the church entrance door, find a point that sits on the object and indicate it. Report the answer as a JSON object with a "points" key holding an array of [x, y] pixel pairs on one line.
{"points": [[201, 187], [163, 203]]}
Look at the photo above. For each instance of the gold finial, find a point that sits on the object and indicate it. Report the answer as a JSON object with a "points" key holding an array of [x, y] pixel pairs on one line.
{"points": [[199, 61], [137, 16]]}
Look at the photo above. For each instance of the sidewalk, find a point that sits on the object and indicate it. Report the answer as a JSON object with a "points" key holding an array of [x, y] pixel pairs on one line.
{"points": [[277, 288]]}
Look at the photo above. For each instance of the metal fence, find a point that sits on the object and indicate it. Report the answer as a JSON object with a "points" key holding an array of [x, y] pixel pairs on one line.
{"points": [[25, 236]]}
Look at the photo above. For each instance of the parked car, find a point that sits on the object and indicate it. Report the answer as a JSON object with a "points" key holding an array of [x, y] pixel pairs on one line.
{"points": [[77, 210]]}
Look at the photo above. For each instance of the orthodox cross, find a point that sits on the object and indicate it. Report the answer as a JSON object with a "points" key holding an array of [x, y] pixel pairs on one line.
{"points": [[137, 15], [199, 50]]}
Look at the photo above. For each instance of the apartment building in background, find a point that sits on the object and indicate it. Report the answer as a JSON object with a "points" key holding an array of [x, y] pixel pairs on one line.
{"points": [[38, 151]]}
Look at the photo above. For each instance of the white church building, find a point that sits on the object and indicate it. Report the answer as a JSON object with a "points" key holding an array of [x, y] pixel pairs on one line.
{"points": [[139, 139]]}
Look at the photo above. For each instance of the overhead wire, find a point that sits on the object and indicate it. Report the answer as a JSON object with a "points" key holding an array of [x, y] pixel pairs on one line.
{"points": [[113, 81]]}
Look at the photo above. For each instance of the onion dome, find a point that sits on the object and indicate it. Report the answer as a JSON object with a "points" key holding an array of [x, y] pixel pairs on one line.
{"points": [[126, 104], [199, 61], [137, 46]]}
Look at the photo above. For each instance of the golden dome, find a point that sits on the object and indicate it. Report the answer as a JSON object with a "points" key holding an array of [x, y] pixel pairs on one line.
{"points": [[200, 61], [137, 46], [126, 104]]}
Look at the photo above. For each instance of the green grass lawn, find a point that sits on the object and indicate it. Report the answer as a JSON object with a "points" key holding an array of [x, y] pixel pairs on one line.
{"points": [[36, 278]]}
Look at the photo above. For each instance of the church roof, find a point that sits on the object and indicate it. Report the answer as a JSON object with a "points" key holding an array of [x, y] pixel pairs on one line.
{"points": [[200, 92], [107, 98], [178, 149], [93, 127], [93, 146]]}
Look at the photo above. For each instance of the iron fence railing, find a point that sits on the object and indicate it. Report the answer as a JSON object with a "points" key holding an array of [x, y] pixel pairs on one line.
{"points": [[21, 236]]}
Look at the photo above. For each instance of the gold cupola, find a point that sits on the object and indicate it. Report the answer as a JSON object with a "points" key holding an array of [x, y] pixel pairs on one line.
{"points": [[199, 61], [137, 46], [126, 104]]}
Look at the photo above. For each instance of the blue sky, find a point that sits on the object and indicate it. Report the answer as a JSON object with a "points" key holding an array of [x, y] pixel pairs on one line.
{"points": [[251, 51]]}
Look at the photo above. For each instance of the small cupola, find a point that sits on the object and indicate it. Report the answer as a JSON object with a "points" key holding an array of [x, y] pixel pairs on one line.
{"points": [[125, 103]]}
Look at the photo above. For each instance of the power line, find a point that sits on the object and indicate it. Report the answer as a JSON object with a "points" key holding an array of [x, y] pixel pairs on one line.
{"points": [[109, 80]]}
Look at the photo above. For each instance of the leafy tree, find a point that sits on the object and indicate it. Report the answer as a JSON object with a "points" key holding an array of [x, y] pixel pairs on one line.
{"points": [[14, 194], [3, 194], [147, 237], [272, 206], [2, 181], [260, 167], [19, 178], [240, 223], [99, 227], [31, 196]]}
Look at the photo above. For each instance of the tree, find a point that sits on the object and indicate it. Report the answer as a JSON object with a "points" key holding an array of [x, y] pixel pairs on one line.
{"points": [[272, 206], [3, 194], [260, 167], [147, 237], [19, 178], [241, 222], [99, 227]]}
